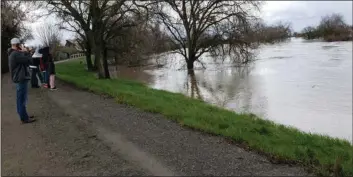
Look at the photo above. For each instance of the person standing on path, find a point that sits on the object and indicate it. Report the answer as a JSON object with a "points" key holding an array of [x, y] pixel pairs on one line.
{"points": [[51, 72], [44, 65], [35, 69], [19, 68]]}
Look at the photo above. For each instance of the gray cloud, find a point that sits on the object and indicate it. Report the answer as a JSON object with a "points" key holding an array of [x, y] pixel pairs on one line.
{"points": [[305, 13]]}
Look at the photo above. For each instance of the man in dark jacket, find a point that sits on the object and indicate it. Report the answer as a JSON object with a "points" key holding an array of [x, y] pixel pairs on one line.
{"points": [[18, 64]]}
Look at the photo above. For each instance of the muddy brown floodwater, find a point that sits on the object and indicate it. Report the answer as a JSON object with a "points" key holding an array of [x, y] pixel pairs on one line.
{"points": [[307, 85]]}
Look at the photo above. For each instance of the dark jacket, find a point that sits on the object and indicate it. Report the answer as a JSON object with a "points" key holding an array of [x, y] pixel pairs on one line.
{"points": [[18, 64], [36, 61], [45, 57], [51, 65]]}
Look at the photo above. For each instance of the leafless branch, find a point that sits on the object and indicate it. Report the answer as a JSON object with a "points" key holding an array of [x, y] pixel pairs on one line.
{"points": [[201, 26]]}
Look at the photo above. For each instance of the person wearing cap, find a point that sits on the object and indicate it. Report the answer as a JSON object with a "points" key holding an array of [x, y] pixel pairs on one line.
{"points": [[35, 69], [19, 62]]}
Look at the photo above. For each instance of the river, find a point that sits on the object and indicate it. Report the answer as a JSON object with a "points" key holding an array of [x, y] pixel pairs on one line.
{"points": [[307, 85]]}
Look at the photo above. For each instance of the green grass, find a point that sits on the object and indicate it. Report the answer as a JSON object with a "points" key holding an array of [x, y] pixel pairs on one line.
{"points": [[321, 155]]}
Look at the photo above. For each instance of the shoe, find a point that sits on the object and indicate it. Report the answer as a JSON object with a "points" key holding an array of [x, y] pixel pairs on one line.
{"points": [[28, 121], [31, 117], [53, 88], [45, 85]]}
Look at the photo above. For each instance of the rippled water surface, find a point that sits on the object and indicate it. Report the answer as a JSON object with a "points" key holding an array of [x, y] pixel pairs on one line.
{"points": [[303, 84]]}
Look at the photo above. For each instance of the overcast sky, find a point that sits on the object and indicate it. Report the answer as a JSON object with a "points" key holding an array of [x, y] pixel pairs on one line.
{"points": [[305, 13], [299, 13]]}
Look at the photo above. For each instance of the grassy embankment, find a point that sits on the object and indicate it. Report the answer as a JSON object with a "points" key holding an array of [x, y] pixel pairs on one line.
{"points": [[319, 154]]}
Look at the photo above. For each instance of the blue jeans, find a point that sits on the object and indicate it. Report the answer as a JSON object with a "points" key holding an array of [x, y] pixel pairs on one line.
{"points": [[21, 99], [45, 77]]}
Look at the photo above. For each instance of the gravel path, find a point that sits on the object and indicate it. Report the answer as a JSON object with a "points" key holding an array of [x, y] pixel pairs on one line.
{"points": [[80, 133]]}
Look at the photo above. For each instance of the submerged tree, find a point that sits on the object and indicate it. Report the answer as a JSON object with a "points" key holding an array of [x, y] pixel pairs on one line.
{"points": [[331, 28], [330, 24], [310, 32], [263, 33], [198, 27]]}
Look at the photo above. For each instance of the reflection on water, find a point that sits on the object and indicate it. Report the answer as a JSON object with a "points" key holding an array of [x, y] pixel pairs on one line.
{"points": [[307, 85]]}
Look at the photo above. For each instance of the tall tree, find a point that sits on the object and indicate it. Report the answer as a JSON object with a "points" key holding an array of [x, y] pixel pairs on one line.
{"points": [[74, 16], [83, 41], [12, 19], [332, 25], [198, 27], [98, 20], [49, 35], [108, 19], [331, 28]]}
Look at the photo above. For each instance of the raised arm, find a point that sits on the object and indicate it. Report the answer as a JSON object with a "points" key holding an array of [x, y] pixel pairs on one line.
{"points": [[23, 59]]}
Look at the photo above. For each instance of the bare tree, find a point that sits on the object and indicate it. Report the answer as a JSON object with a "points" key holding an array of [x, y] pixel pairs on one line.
{"points": [[85, 44], [98, 20], [331, 28], [310, 32], [330, 22], [260, 32], [49, 35], [198, 27], [75, 16], [132, 45], [109, 19], [12, 18]]}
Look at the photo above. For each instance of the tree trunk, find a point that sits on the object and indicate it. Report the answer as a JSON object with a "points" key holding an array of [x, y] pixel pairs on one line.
{"points": [[116, 64], [194, 85], [98, 57], [89, 60], [190, 64], [191, 59], [105, 63], [96, 63], [101, 59], [88, 53], [98, 53], [89, 47]]}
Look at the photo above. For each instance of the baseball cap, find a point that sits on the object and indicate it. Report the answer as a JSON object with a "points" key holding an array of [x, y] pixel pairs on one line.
{"points": [[15, 41]]}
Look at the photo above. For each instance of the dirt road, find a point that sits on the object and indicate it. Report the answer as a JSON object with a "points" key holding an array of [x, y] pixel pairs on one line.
{"points": [[80, 133]]}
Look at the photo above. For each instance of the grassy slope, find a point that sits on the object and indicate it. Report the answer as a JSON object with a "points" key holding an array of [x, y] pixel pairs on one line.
{"points": [[284, 144]]}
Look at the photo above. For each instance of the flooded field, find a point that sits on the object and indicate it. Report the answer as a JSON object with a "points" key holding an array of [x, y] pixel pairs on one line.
{"points": [[303, 84]]}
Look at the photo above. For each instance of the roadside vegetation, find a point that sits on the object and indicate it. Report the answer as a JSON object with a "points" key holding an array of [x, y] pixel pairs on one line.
{"points": [[321, 155], [331, 28]]}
